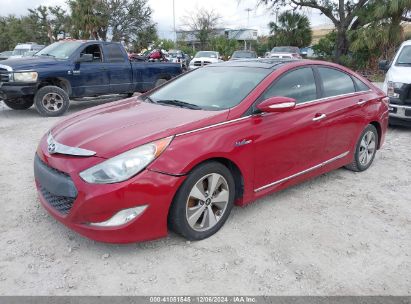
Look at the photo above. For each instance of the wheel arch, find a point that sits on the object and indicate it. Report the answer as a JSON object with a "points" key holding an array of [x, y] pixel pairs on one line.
{"points": [[377, 125], [62, 83]]}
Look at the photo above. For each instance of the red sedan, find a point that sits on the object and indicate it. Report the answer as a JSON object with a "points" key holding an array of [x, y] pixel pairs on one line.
{"points": [[182, 155]]}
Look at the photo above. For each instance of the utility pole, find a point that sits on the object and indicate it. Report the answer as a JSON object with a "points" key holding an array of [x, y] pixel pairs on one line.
{"points": [[174, 21], [248, 10]]}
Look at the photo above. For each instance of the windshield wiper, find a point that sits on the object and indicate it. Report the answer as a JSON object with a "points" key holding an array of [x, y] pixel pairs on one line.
{"points": [[48, 55], [179, 103]]}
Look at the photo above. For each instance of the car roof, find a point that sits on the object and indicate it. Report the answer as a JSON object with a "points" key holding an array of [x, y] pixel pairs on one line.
{"points": [[263, 63]]}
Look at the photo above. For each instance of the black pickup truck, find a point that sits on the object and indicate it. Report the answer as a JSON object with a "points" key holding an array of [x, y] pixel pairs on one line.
{"points": [[76, 69]]}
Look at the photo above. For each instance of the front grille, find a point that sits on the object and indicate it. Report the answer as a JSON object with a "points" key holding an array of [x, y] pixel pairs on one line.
{"points": [[197, 63], [207, 62], [4, 75], [62, 204], [56, 187]]}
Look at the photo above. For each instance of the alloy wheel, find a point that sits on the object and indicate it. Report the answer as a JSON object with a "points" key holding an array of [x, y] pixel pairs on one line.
{"points": [[367, 148], [207, 202]]}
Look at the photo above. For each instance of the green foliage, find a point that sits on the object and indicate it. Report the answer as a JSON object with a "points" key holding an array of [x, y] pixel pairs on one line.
{"points": [[224, 46], [325, 48], [292, 29]]}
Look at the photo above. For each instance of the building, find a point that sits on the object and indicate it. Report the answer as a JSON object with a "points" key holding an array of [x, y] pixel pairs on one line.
{"points": [[244, 36]]}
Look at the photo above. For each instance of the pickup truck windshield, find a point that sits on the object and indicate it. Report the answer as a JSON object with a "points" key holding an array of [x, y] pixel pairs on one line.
{"points": [[211, 88], [60, 50], [405, 56]]}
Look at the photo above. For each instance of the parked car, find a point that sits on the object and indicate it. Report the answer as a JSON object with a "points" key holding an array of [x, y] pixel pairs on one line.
{"points": [[285, 52], [243, 55], [203, 58], [397, 85], [75, 69], [178, 56], [181, 155], [5, 55], [308, 52], [22, 49]]}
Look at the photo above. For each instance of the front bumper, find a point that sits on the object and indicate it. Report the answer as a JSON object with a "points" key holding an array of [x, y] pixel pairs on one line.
{"points": [[16, 90], [400, 114], [76, 203]]}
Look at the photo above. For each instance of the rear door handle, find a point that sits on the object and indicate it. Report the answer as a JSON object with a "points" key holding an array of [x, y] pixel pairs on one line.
{"points": [[319, 117], [361, 101]]}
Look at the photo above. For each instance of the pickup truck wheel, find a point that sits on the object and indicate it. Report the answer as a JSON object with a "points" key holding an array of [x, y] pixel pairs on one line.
{"points": [[51, 101], [22, 103], [160, 82]]}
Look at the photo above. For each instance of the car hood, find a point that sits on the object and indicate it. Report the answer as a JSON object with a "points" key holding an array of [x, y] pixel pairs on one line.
{"points": [[112, 129], [29, 63], [399, 74], [205, 59]]}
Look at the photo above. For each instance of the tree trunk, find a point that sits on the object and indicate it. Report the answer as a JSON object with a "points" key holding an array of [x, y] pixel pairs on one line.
{"points": [[341, 44]]}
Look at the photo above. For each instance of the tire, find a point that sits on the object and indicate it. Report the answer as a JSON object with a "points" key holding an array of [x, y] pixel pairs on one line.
{"points": [[22, 103], [51, 101], [197, 219], [365, 150], [160, 82]]}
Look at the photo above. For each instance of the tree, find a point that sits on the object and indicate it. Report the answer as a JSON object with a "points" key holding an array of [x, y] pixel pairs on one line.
{"points": [[204, 23], [87, 18], [49, 22], [145, 38], [292, 29], [344, 14], [224, 46]]}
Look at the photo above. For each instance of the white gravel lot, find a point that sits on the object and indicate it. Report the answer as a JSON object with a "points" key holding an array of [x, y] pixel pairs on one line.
{"points": [[342, 233]]}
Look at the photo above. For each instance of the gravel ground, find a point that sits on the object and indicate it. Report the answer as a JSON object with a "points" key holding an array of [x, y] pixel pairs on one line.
{"points": [[342, 233]]}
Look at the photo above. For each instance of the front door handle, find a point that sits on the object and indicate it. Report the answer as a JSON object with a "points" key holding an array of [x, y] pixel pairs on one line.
{"points": [[361, 101], [319, 117]]}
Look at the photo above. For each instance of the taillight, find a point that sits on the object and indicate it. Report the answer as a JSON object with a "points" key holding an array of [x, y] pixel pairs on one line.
{"points": [[296, 55]]}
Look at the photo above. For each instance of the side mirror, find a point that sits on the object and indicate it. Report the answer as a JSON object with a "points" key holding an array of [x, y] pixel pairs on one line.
{"points": [[85, 58], [383, 65], [277, 104]]}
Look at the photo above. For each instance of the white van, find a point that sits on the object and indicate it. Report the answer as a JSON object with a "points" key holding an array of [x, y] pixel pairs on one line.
{"points": [[22, 49], [397, 85]]}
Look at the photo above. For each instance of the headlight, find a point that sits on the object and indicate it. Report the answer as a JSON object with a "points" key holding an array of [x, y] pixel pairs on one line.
{"points": [[391, 86], [191, 62], [25, 76], [124, 166]]}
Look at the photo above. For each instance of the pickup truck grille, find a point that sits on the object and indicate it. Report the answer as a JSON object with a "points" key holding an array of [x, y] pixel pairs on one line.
{"points": [[201, 63], [4, 75]]}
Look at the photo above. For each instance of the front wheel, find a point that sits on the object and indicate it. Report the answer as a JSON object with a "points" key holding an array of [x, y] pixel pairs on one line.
{"points": [[365, 150], [22, 103], [204, 202], [51, 101]]}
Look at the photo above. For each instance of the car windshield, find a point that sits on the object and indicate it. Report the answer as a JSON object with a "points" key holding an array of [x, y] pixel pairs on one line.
{"points": [[240, 54], [285, 49], [206, 54], [405, 56], [212, 88], [19, 52], [60, 50]]}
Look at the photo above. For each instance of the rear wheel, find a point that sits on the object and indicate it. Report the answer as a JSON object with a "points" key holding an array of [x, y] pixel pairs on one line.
{"points": [[51, 101], [365, 150], [204, 202], [22, 103]]}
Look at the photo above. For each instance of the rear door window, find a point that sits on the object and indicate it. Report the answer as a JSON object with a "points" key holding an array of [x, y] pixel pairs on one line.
{"points": [[335, 82], [115, 53], [298, 84]]}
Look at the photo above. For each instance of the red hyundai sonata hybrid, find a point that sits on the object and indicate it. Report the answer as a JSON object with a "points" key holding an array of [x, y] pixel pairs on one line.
{"points": [[182, 155]]}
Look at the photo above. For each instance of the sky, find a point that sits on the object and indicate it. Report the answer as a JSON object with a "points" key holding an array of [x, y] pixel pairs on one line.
{"points": [[234, 15]]}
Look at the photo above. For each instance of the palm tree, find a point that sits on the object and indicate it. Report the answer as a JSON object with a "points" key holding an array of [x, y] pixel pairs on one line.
{"points": [[292, 29]]}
